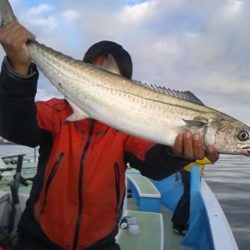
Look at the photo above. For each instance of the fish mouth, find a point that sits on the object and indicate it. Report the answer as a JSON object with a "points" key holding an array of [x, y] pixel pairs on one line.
{"points": [[246, 150]]}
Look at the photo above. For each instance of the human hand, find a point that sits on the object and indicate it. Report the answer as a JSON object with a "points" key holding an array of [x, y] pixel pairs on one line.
{"points": [[13, 38], [191, 146]]}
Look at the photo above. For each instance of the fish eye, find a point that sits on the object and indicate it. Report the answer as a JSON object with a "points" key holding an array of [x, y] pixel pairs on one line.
{"points": [[243, 135]]}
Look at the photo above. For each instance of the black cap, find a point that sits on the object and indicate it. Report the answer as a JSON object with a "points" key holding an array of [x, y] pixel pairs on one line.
{"points": [[121, 56]]}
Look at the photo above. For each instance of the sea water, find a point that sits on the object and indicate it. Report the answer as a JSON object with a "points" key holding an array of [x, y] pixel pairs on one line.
{"points": [[13, 149], [229, 179]]}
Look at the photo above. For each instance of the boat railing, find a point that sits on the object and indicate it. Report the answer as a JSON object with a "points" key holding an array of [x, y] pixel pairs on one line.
{"points": [[145, 193], [13, 159], [8, 233], [221, 232], [208, 226]]}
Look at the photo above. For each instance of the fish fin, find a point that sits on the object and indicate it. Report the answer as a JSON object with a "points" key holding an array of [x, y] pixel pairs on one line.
{"points": [[189, 96], [77, 115], [197, 122], [184, 95], [110, 65], [6, 12]]}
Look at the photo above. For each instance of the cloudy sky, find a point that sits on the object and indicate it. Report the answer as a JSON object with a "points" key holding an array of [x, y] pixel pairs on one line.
{"points": [[202, 46]]}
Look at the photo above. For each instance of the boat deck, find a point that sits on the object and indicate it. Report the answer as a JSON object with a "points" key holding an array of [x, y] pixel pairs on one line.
{"points": [[148, 223], [155, 227]]}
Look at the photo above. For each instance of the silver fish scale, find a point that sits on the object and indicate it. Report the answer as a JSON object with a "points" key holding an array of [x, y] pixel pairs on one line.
{"points": [[99, 92]]}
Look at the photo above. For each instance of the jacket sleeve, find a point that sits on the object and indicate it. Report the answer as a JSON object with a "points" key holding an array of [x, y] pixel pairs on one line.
{"points": [[18, 121], [152, 160]]}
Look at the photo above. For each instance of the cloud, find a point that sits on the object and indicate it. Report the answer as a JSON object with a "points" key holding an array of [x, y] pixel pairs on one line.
{"points": [[70, 15], [201, 46], [140, 12], [41, 17], [40, 9]]}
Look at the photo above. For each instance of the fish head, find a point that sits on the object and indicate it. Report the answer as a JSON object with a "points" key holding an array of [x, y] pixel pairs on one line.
{"points": [[230, 136]]}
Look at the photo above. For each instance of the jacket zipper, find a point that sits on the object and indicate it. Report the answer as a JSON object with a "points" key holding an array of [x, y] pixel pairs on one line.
{"points": [[120, 200], [80, 184], [117, 184], [50, 178]]}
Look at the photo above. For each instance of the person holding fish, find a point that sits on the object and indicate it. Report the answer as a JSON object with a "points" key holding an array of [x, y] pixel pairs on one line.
{"points": [[77, 196]]}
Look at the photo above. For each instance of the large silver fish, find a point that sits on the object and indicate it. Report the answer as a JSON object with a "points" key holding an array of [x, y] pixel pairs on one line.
{"points": [[153, 113]]}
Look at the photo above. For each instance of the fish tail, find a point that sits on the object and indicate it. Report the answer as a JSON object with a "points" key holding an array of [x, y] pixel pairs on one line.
{"points": [[6, 12]]}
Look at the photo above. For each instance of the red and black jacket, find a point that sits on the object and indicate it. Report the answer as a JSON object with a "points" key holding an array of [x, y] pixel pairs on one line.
{"points": [[78, 192]]}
